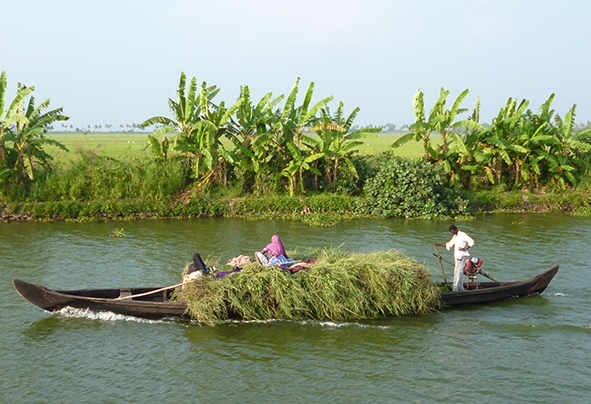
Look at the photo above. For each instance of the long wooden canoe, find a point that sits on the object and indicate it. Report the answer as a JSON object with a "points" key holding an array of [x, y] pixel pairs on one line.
{"points": [[486, 292], [151, 306], [158, 306]]}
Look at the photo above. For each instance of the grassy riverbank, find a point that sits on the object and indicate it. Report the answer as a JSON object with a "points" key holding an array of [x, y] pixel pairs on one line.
{"points": [[315, 210], [318, 210]]}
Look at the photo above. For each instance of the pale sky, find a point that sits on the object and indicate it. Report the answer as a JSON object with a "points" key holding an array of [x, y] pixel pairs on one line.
{"points": [[118, 62]]}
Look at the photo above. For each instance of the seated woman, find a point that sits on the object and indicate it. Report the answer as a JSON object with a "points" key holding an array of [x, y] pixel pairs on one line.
{"points": [[276, 252]]}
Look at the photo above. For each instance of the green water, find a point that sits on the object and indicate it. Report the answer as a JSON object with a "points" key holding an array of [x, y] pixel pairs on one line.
{"points": [[532, 350]]}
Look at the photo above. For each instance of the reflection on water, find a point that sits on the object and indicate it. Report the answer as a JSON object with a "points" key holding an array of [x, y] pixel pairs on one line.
{"points": [[495, 353]]}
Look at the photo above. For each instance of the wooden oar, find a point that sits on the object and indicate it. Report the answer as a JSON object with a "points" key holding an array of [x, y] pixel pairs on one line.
{"points": [[480, 271], [440, 263], [443, 259], [150, 292], [492, 278]]}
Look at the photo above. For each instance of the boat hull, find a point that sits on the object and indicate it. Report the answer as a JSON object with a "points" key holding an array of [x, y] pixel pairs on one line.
{"points": [[153, 306], [487, 292], [157, 305]]}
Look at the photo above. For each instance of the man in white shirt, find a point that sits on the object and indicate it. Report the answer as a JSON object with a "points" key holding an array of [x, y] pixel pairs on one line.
{"points": [[461, 243]]}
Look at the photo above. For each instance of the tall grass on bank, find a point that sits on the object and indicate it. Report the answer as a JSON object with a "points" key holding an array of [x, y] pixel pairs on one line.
{"points": [[93, 177], [317, 210], [339, 286]]}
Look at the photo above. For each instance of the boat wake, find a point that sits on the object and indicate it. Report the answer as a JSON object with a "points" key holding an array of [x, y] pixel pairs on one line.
{"points": [[353, 324], [314, 323], [101, 315]]}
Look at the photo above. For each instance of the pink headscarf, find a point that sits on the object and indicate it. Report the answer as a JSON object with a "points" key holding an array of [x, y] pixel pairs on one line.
{"points": [[275, 247]]}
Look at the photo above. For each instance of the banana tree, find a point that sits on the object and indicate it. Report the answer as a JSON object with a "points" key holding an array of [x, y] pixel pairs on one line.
{"points": [[186, 111], [336, 140], [297, 164], [468, 154], [444, 121], [569, 143], [293, 122], [203, 143], [421, 129], [257, 160], [8, 119], [251, 136], [499, 138], [564, 152], [440, 121], [159, 147], [27, 135]]}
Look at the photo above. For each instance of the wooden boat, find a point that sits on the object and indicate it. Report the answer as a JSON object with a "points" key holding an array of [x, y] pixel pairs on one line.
{"points": [[486, 292], [157, 305], [116, 300]]}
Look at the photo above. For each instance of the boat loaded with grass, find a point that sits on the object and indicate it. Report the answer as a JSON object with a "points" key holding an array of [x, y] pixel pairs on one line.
{"points": [[339, 286]]}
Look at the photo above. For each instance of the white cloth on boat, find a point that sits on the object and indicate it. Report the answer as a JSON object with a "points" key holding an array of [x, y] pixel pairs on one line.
{"points": [[262, 258], [192, 276], [239, 261]]}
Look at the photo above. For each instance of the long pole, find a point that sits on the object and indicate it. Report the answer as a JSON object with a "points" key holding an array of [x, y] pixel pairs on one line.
{"points": [[440, 263], [150, 292]]}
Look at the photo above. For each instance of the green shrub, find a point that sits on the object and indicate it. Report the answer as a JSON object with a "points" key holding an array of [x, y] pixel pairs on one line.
{"points": [[411, 189]]}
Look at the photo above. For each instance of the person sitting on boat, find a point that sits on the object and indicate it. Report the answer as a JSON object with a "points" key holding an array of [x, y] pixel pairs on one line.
{"points": [[273, 254], [197, 269], [461, 243]]}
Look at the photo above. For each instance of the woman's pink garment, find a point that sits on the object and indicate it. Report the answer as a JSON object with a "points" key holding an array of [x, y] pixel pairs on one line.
{"points": [[275, 247]]}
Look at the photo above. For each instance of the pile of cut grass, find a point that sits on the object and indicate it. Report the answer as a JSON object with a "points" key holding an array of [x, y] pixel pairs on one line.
{"points": [[339, 286]]}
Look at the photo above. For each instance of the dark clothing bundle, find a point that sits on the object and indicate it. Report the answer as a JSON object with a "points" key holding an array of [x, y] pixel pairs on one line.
{"points": [[198, 265]]}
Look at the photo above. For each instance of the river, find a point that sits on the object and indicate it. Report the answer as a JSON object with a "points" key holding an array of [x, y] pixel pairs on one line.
{"points": [[532, 349]]}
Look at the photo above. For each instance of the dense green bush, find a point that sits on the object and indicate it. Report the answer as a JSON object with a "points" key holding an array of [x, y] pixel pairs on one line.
{"points": [[411, 189], [347, 182]]}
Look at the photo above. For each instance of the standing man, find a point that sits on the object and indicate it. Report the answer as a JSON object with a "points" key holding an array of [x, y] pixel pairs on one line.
{"points": [[461, 243]]}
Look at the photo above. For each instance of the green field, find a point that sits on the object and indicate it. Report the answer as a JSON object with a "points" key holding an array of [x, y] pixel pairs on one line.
{"points": [[115, 145], [120, 145]]}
